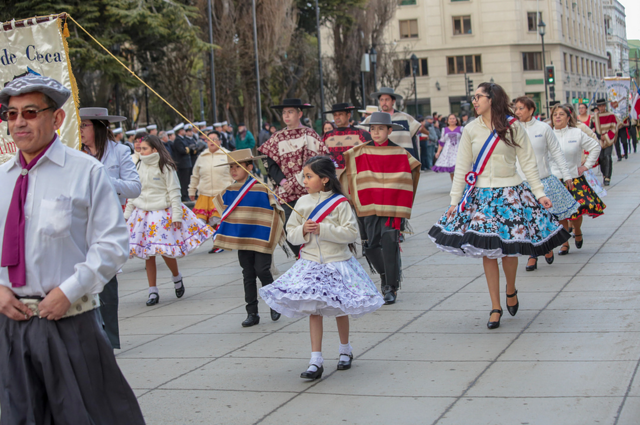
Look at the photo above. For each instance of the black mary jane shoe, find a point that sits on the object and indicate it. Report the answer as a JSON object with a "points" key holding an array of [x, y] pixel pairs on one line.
{"points": [[564, 251], [578, 242], [275, 315], [389, 295], [494, 325], [344, 365], [549, 260], [153, 299], [180, 290], [532, 267], [512, 309], [317, 374], [251, 320]]}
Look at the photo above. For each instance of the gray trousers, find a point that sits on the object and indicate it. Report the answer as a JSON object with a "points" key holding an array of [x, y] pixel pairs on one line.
{"points": [[382, 249], [109, 312], [62, 372]]}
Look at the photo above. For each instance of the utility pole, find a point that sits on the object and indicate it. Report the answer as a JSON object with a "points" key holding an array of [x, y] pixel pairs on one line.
{"points": [[320, 60], [255, 46], [212, 65]]}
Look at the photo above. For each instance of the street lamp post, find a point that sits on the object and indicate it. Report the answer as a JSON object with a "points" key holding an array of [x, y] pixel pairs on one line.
{"points": [[364, 67], [373, 55], [213, 73], [414, 67], [320, 60], [145, 75], [541, 31], [255, 46]]}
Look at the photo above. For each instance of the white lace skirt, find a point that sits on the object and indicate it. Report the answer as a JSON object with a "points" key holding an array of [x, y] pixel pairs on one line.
{"points": [[330, 289]]}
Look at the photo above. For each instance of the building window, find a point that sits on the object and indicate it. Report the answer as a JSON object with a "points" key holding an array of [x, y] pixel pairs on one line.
{"points": [[582, 65], [462, 64], [571, 63], [461, 25], [403, 67], [407, 2], [532, 20], [532, 61], [564, 55], [609, 60], [409, 28], [562, 24]]}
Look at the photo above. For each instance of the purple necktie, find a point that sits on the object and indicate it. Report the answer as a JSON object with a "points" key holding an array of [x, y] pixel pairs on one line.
{"points": [[13, 244]]}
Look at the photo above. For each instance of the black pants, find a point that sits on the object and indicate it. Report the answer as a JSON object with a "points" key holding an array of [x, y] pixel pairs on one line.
{"points": [[423, 155], [287, 214], [184, 175], [109, 311], [622, 143], [382, 250], [634, 137], [254, 265], [62, 372], [606, 163]]}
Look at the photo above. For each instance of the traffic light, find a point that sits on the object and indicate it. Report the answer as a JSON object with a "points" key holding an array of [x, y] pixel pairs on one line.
{"points": [[552, 92], [551, 74], [470, 86]]}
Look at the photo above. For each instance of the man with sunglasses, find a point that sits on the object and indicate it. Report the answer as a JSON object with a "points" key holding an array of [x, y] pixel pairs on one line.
{"points": [[63, 237]]}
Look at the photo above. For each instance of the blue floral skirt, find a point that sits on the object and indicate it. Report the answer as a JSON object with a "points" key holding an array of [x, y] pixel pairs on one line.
{"points": [[564, 204], [499, 222]]}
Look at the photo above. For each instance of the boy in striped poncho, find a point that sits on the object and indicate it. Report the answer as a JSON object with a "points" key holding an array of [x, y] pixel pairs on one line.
{"points": [[252, 223], [382, 178]]}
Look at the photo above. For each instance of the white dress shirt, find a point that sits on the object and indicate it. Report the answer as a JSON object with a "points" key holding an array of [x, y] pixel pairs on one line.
{"points": [[75, 235], [120, 168], [573, 142], [546, 147]]}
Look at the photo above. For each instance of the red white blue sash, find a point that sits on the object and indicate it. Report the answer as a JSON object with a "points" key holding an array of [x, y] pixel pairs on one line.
{"points": [[246, 187], [481, 161], [326, 207]]}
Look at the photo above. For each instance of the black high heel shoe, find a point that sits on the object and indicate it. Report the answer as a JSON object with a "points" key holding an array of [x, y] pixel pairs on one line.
{"points": [[494, 325], [512, 309], [534, 266], [549, 260], [564, 251], [578, 242], [313, 375]]}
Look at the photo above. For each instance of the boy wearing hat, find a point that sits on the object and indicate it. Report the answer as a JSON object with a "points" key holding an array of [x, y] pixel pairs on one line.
{"points": [[288, 150], [252, 223], [345, 136], [606, 124], [152, 129], [382, 179]]}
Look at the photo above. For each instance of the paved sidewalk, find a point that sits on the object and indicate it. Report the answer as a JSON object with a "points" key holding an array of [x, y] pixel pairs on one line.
{"points": [[570, 356]]}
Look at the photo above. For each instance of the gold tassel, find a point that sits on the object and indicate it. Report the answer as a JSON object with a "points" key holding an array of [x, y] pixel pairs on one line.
{"points": [[65, 30]]}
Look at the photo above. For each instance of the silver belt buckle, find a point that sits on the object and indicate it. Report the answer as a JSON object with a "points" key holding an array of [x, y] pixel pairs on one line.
{"points": [[32, 304]]}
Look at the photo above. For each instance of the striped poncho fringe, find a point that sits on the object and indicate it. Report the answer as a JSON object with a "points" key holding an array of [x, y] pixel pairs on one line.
{"points": [[382, 180], [256, 224]]}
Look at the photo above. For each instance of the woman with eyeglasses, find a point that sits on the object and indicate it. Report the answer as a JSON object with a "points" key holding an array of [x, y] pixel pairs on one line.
{"points": [[546, 146], [208, 180], [98, 141], [574, 142], [493, 214]]}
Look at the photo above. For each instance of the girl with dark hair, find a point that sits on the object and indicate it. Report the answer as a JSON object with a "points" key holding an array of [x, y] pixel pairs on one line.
{"points": [[545, 145], [448, 147], [328, 126], [493, 214], [327, 280], [98, 141], [159, 224]]}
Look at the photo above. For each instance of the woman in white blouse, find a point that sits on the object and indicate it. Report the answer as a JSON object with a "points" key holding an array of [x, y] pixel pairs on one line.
{"points": [[546, 146], [574, 142]]}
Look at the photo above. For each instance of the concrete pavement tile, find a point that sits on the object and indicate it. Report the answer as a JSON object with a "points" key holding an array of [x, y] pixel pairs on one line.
{"points": [[468, 322], [171, 407], [438, 347], [554, 379], [129, 341], [587, 321], [463, 301], [635, 386], [610, 257], [194, 305], [296, 345], [421, 301], [533, 411], [432, 284], [231, 322], [611, 269], [630, 414], [357, 410], [615, 246], [609, 283], [529, 282], [158, 325], [401, 379], [448, 270], [143, 374], [381, 320], [190, 346], [608, 300], [575, 346]]}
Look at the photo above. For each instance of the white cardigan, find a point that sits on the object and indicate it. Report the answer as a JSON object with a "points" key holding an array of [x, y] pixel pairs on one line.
{"points": [[210, 175], [160, 190], [573, 142], [546, 147], [337, 230]]}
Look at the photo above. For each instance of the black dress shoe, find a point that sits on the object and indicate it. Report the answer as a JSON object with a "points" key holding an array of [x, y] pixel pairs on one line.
{"points": [[579, 243], [549, 260], [389, 295], [512, 309], [313, 375], [344, 365], [251, 320], [564, 251], [534, 266], [180, 290], [494, 325], [153, 299], [275, 315]]}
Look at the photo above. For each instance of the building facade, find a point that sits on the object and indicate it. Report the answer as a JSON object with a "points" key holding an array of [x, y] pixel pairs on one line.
{"points": [[616, 31], [499, 41]]}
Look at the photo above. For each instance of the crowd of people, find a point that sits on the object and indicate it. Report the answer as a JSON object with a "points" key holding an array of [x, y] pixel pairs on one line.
{"points": [[520, 186]]}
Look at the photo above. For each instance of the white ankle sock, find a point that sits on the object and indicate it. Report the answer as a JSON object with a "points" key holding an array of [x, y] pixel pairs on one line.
{"points": [[316, 360], [345, 350], [153, 290], [177, 281]]}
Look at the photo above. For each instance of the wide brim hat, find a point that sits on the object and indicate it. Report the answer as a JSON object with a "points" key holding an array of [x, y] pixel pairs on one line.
{"points": [[370, 109], [382, 118], [242, 155], [340, 107], [35, 83], [100, 114], [601, 101], [385, 90], [292, 103]]}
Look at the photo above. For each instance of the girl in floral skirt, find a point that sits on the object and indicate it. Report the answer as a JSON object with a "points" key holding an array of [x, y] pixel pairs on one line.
{"points": [[448, 147], [327, 280], [159, 224]]}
